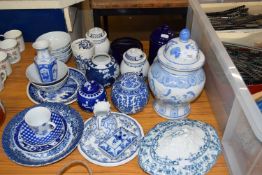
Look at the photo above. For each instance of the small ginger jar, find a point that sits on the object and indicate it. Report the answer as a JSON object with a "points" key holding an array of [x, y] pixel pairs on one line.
{"points": [[176, 77]]}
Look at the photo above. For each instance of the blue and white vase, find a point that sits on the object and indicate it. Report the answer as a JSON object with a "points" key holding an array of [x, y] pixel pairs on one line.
{"points": [[103, 69], [46, 64], [134, 60], [130, 93], [89, 94], [176, 78]]}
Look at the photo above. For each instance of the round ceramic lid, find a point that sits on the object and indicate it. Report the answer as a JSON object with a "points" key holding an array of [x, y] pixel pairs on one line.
{"points": [[110, 138], [134, 55], [130, 81], [90, 87], [181, 53], [96, 33], [179, 147]]}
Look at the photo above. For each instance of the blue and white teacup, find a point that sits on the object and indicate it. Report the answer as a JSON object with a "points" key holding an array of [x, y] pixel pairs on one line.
{"points": [[39, 120], [83, 50]]}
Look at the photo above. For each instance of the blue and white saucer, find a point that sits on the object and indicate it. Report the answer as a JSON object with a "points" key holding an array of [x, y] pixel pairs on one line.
{"points": [[179, 147], [67, 94], [27, 140], [117, 147], [24, 155]]}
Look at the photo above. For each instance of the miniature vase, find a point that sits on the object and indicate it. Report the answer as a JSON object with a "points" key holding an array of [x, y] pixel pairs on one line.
{"points": [[177, 78]]}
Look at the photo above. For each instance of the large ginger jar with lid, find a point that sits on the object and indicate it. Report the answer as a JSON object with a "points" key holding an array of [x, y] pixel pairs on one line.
{"points": [[176, 77]]}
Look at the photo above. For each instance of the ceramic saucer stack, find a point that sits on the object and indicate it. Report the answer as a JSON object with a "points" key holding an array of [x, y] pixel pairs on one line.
{"points": [[24, 147], [59, 44], [179, 147]]}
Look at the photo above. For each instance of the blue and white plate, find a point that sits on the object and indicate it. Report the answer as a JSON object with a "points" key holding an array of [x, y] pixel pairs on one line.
{"points": [[179, 147], [67, 94], [27, 140], [117, 147], [73, 134]]}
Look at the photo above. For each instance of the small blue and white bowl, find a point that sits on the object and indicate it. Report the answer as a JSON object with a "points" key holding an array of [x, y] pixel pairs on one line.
{"points": [[102, 68], [89, 94], [130, 93]]}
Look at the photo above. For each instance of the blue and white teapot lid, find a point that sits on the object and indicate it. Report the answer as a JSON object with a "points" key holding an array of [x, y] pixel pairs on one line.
{"points": [[181, 53]]}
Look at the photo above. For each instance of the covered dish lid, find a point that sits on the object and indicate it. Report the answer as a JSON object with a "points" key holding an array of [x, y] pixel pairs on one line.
{"points": [[181, 53], [91, 87], [130, 81], [179, 147], [96, 34], [134, 55]]}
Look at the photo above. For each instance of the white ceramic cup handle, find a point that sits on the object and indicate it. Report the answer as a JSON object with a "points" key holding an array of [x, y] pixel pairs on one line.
{"points": [[3, 75], [52, 126]]}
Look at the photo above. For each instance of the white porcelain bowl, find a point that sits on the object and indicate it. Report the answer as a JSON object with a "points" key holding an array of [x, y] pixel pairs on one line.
{"points": [[33, 75], [57, 39]]}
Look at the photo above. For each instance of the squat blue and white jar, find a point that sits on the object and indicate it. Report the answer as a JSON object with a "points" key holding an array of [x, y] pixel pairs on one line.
{"points": [[103, 69], [89, 94], [134, 60], [130, 93], [176, 78]]}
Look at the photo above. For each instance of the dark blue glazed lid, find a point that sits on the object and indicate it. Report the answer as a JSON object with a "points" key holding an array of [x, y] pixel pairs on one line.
{"points": [[90, 87], [162, 35]]}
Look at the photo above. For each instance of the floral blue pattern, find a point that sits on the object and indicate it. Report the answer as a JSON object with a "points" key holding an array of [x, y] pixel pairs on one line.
{"points": [[93, 143], [130, 93], [67, 94], [197, 163], [72, 136]]}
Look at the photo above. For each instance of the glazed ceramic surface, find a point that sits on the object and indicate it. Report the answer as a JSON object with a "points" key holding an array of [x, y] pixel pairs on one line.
{"points": [[110, 139], [22, 147], [176, 78], [159, 37], [46, 64], [99, 37], [130, 93], [67, 94], [134, 60], [103, 69], [89, 94], [179, 147]]}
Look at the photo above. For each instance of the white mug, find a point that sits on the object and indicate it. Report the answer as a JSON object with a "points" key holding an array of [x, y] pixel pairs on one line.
{"points": [[2, 79], [10, 46], [17, 35], [39, 120], [4, 63]]}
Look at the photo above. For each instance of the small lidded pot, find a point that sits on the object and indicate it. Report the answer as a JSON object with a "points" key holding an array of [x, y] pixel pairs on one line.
{"points": [[103, 69], [134, 60], [130, 93], [99, 37], [89, 94], [176, 77]]}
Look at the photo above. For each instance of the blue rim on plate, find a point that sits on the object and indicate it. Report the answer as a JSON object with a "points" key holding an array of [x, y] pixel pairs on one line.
{"points": [[73, 135], [90, 145], [153, 160], [67, 94]]}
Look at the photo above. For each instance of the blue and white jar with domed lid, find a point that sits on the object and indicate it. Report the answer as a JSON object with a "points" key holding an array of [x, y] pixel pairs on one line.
{"points": [[176, 77]]}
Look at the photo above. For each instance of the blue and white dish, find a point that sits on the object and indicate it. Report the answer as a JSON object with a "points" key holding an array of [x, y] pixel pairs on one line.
{"points": [[26, 139], [179, 147], [69, 142], [130, 93], [112, 140], [103, 69], [67, 94]]}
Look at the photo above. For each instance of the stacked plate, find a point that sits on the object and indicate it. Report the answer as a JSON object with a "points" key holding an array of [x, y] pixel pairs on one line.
{"points": [[59, 44]]}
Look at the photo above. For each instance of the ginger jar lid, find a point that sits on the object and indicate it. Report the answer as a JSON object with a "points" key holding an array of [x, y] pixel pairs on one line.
{"points": [[91, 87], [130, 81], [134, 55], [184, 146], [96, 34], [181, 53]]}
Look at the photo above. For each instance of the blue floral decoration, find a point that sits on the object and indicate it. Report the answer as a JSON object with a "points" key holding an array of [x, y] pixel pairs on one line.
{"points": [[175, 51]]}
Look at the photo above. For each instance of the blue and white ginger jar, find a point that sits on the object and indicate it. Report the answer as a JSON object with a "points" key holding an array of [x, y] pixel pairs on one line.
{"points": [[89, 94], [176, 77], [102, 68], [130, 93]]}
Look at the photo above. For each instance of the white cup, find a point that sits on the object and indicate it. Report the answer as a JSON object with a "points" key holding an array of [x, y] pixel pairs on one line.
{"points": [[17, 35], [39, 120], [10, 46], [4, 63], [2, 79]]}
